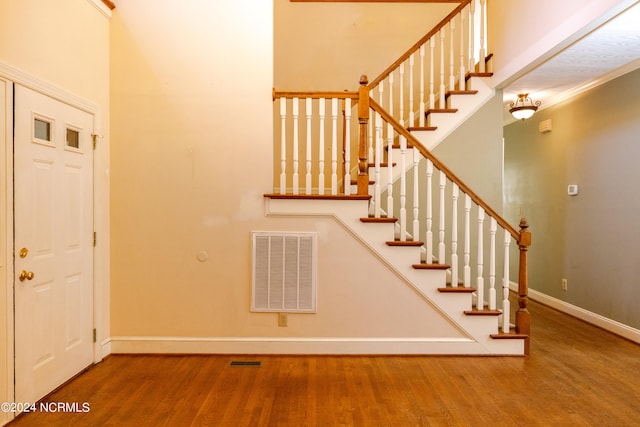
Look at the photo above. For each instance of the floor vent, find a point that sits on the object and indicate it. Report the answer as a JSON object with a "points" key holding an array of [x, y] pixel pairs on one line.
{"points": [[284, 272], [245, 363]]}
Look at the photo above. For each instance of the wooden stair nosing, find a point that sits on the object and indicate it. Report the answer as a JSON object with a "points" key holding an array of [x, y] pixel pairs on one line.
{"points": [[421, 128], [457, 290], [460, 92], [397, 146], [404, 243], [440, 111], [512, 335], [476, 74], [484, 312], [318, 196], [382, 165], [434, 266], [355, 182], [384, 220]]}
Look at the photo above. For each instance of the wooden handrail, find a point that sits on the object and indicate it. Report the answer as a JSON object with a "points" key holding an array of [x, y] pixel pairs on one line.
{"points": [[417, 45], [111, 5], [439, 165], [314, 95]]}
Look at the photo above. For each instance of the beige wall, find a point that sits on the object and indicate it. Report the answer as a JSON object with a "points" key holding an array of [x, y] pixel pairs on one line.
{"points": [[327, 46], [192, 128], [589, 239], [64, 44]]}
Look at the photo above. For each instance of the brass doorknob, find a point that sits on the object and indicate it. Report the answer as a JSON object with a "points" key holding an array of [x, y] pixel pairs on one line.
{"points": [[28, 275]]}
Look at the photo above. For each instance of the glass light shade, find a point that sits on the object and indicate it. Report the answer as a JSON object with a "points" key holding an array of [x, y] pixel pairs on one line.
{"points": [[523, 107], [523, 113]]}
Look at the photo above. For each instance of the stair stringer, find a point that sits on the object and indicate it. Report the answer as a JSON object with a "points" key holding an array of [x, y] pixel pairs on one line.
{"points": [[446, 123], [476, 329]]}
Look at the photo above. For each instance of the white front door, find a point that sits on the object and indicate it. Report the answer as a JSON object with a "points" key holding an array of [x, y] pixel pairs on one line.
{"points": [[53, 242]]}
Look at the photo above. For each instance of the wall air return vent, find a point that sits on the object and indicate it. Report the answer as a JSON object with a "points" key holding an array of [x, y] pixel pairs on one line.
{"points": [[284, 272]]}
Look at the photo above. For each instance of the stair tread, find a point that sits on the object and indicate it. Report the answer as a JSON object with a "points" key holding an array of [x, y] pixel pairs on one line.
{"points": [[382, 164], [440, 110], [511, 335], [318, 196], [456, 289], [422, 128], [404, 243], [460, 92], [484, 312], [477, 74], [378, 220], [397, 146], [433, 266]]}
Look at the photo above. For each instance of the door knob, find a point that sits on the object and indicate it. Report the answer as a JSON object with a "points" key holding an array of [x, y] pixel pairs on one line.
{"points": [[28, 275], [24, 252]]}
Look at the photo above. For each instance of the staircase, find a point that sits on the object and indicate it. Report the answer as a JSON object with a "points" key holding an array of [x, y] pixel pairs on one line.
{"points": [[398, 199]]}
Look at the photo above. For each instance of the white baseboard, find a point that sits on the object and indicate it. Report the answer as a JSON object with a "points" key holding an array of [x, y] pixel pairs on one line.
{"points": [[276, 345], [595, 319]]}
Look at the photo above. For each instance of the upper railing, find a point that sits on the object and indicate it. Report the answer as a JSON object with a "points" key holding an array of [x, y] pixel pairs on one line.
{"points": [[438, 63]]}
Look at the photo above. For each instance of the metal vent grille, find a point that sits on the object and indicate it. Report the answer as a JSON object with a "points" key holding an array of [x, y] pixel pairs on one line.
{"points": [[284, 272]]}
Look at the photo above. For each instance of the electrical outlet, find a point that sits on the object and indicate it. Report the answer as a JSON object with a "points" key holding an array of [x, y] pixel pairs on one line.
{"points": [[564, 284], [282, 319]]}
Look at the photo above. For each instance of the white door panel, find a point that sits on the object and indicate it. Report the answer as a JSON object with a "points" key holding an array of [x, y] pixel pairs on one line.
{"points": [[53, 158]]}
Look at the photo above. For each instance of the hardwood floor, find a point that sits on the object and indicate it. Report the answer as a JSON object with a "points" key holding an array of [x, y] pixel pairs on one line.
{"points": [[577, 375]]}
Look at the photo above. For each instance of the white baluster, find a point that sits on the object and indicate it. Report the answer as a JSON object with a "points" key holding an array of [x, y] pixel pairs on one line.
{"points": [[390, 109], [416, 194], [321, 148], [283, 146], [492, 265], [506, 307], [411, 110], [370, 135], [390, 170], [334, 146], [454, 236], [421, 115], [390, 152], [467, 241], [309, 111], [378, 148], [429, 234], [452, 76], [401, 104], [482, 54], [480, 278], [347, 146], [403, 189], [296, 115], [463, 72], [432, 73], [441, 244], [441, 90], [472, 35]]}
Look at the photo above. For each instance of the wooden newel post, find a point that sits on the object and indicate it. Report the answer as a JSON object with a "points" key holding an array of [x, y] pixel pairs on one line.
{"points": [[523, 317], [363, 121]]}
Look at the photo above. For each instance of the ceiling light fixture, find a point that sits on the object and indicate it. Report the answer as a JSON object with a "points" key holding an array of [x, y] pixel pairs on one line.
{"points": [[523, 107]]}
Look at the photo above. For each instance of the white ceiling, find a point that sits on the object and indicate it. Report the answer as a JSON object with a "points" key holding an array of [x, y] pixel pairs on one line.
{"points": [[609, 51]]}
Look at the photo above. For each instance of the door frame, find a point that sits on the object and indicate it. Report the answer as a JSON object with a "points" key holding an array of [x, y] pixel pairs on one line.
{"points": [[101, 346]]}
